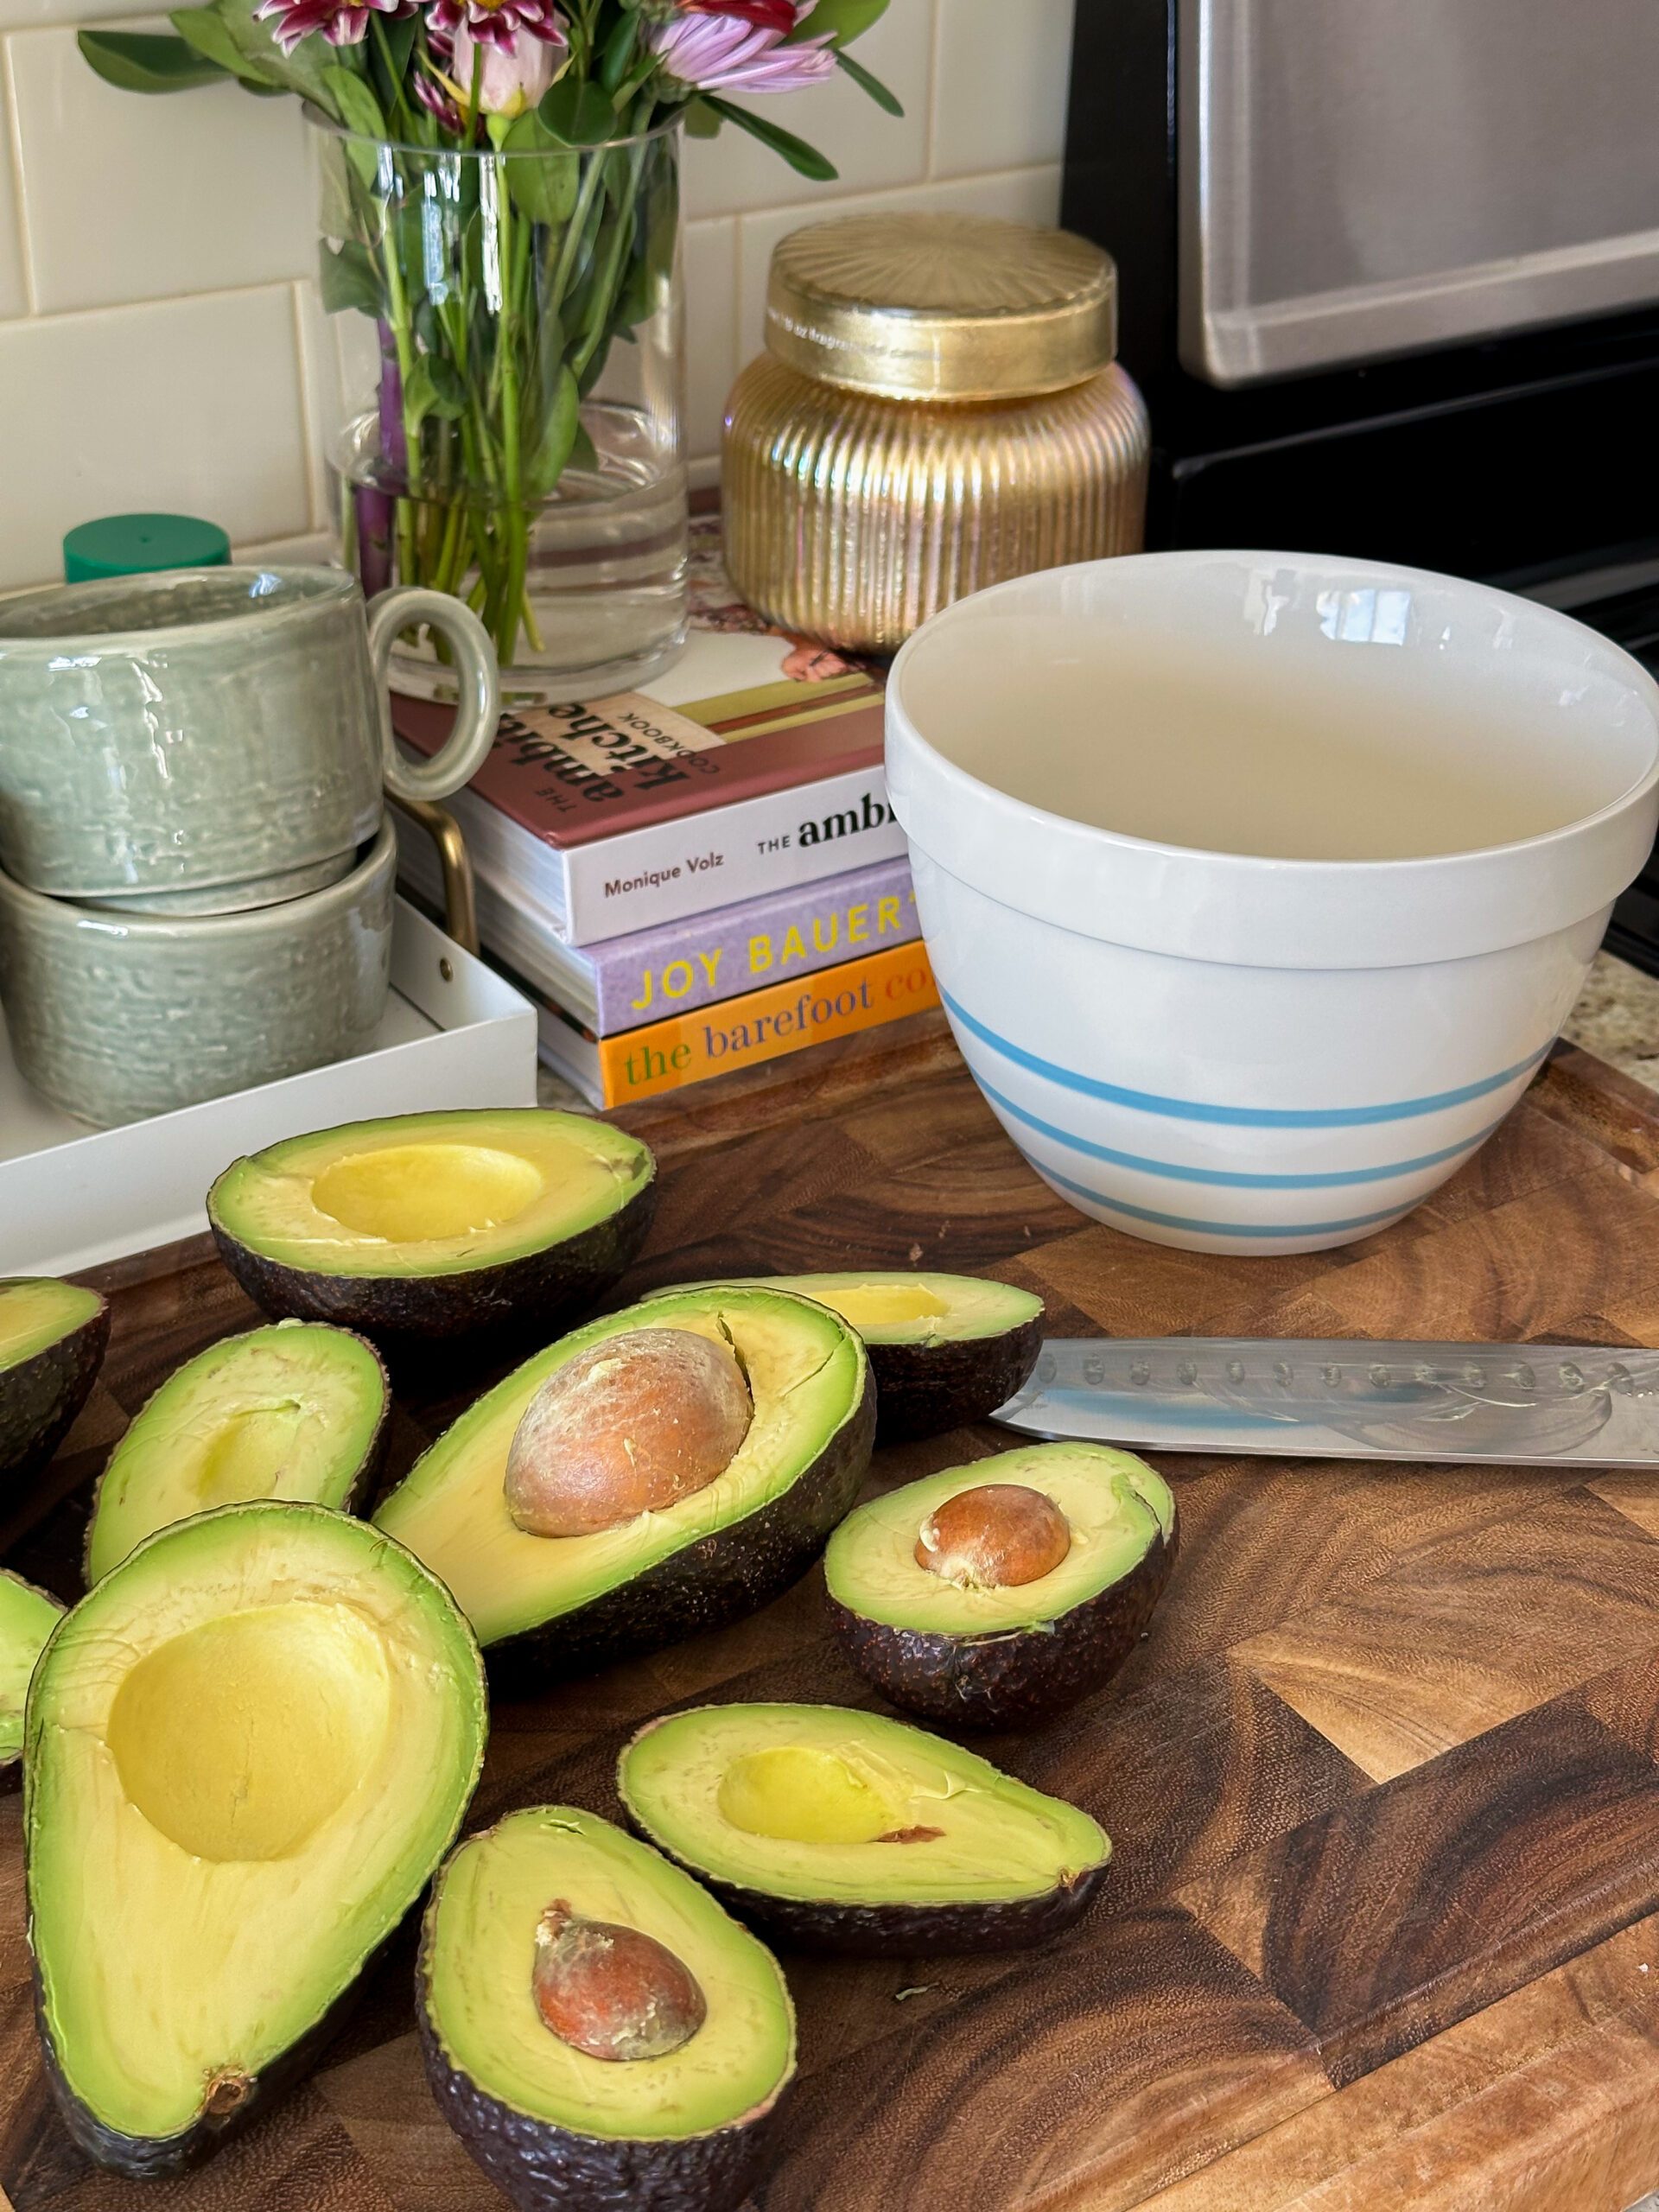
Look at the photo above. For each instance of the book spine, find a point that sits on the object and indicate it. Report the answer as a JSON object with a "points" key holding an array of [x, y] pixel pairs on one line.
{"points": [[765, 1025], [674, 869]]}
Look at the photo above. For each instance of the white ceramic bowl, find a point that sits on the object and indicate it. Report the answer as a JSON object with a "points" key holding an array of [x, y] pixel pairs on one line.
{"points": [[1432, 793]]}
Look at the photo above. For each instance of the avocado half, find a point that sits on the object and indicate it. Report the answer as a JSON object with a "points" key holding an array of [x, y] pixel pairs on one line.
{"points": [[689, 2131], [27, 1617], [53, 1336], [945, 1349], [846, 1831], [425, 1229], [1002, 1658], [545, 1605], [244, 1754], [296, 1411]]}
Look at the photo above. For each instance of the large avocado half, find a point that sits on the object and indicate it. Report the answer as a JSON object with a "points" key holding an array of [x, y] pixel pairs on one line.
{"points": [[685, 2129], [52, 1340], [296, 1411], [457, 1229], [544, 1605], [945, 1349], [244, 1754], [846, 1831], [27, 1617], [1003, 1658]]}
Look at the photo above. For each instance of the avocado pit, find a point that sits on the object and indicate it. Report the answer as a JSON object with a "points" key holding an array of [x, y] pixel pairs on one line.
{"points": [[632, 1426], [610, 1992], [995, 1536]]}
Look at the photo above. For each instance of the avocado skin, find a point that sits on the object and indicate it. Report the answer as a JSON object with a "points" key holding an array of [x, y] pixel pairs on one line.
{"points": [[1018, 1676], [927, 1389], [475, 1308], [733, 1573], [40, 1397]]}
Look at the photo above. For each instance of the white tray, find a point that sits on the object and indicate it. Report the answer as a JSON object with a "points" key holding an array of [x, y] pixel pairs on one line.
{"points": [[453, 1035]]}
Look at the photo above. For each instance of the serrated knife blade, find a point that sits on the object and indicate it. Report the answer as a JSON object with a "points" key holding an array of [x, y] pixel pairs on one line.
{"points": [[1526, 1405]]}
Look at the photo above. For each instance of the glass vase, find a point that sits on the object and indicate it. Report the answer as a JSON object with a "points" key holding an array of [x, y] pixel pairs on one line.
{"points": [[509, 333]]}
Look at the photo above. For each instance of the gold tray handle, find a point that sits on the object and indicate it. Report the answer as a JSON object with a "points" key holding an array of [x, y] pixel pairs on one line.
{"points": [[460, 905]]}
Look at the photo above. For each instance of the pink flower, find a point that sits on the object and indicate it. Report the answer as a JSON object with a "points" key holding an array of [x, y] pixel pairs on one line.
{"points": [[723, 53], [511, 78], [764, 15], [342, 22], [497, 25]]}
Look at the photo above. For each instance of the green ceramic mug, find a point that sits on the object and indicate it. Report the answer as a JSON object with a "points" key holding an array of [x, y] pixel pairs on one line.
{"points": [[212, 739]]}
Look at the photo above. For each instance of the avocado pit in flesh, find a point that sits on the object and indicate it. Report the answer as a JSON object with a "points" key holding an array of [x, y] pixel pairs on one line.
{"points": [[610, 1992], [994, 1537], [632, 1426]]}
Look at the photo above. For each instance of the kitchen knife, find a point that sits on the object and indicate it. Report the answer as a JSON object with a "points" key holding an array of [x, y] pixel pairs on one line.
{"points": [[1528, 1405]]}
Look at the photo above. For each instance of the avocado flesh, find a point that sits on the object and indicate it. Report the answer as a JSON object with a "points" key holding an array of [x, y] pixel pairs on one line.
{"points": [[807, 1375], [53, 1336], [917, 1309], [35, 1312], [294, 1411], [245, 1752], [423, 1194], [836, 1782], [480, 1949], [27, 1617], [1116, 1507]]}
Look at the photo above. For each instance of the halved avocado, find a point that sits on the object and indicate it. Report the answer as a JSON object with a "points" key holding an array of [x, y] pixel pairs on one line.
{"points": [[294, 1411], [437, 1228], [945, 1349], [27, 1617], [1002, 1657], [846, 1831], [543, 1605], [244, 1754], [52, 1340], [685, 2129]]}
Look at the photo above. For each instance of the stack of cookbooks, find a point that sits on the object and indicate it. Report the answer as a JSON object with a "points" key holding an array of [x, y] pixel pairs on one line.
{"points": [[696, 876]]}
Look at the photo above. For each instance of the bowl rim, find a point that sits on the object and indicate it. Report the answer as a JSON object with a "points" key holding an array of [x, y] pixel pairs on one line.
{"points": [[332, 588]]}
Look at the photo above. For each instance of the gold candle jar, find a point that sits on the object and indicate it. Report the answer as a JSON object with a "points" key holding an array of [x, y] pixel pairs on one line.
{"points": [[938, 408]]}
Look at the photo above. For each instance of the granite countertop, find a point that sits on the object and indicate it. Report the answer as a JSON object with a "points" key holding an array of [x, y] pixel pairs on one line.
{"points": [[1617, 1019]]}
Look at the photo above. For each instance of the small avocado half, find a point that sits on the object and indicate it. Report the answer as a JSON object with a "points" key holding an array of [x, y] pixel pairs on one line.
{"points": [[846, 1831], [52, 1340], [297, 1410], [688, 2130], [1002, 1658], [945, 1349], [244, 1754], [27, 1617], [547, 1606], [457, 1228]]}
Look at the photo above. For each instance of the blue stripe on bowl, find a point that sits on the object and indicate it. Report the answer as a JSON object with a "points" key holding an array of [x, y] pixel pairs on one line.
{"points": [[1259, 1118], [1224, 1228], [1332, 1180]]}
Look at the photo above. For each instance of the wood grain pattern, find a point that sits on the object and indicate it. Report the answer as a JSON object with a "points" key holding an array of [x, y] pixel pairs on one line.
{"points": [[1382, 1930]]}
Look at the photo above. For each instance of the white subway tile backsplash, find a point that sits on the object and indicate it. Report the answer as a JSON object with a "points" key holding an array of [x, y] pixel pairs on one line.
{"points": [[13, 292], [999, 101], [711, 351], [134, 197], [187, 405]]}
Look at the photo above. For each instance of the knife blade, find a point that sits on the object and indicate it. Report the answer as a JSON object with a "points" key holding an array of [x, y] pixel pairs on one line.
{"points": [[1528, 1405]]}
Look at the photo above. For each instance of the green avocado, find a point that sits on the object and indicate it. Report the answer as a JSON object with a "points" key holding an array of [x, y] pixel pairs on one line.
{"points": [[846, 1831], [52, 1340], [545, 1605], [27, 1617], [459, 1229], [945, 1349], [1005, 1657], [244, 1754], [689, 2128], [296, 1411]]}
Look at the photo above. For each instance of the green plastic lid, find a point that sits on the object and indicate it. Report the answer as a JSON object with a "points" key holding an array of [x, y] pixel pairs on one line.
{"points": [[136, 546]]}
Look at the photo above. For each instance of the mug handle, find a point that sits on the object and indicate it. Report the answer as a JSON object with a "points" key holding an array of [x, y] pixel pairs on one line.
{"points": [[477, 677]]}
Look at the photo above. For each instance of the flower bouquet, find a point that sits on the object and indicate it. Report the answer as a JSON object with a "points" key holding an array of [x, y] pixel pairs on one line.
{"points": [[500, 208]]}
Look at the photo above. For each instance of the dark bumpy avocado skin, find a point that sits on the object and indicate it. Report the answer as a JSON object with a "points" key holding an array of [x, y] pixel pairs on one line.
{"points": [[927, 1389], [480, 1308], [734, 1572], [40, 1397], [1019, 1677]]}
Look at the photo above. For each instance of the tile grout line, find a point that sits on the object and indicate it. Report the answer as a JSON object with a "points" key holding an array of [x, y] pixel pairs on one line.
{"points": [[15, 155], [308, 423]]}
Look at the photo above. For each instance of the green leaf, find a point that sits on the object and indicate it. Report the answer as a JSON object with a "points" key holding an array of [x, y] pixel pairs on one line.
{"points": [[846, 19], [349, 279], [389, 47], [147, 61], [578, 113], [619, 52], [354, 102], [433, 388], [584, 454], [558, 438], [796, 152], [867, 81], [203, 30], [701, 121], [545, 188], [300, 72]]}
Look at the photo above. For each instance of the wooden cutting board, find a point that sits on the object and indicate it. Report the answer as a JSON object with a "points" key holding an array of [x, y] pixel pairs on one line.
{"points": [[1383, 1926]]}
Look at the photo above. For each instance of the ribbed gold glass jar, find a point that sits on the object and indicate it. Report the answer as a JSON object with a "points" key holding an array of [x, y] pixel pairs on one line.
{"points": [[938, 408]]}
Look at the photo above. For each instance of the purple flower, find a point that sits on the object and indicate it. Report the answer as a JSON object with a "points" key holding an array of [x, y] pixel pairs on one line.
{"points": [[720, 54], [497, 25], [342, 22], [509, 78]]}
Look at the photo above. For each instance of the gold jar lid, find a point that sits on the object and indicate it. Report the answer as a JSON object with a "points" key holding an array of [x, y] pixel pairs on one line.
{"points": [[941, 307]]}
